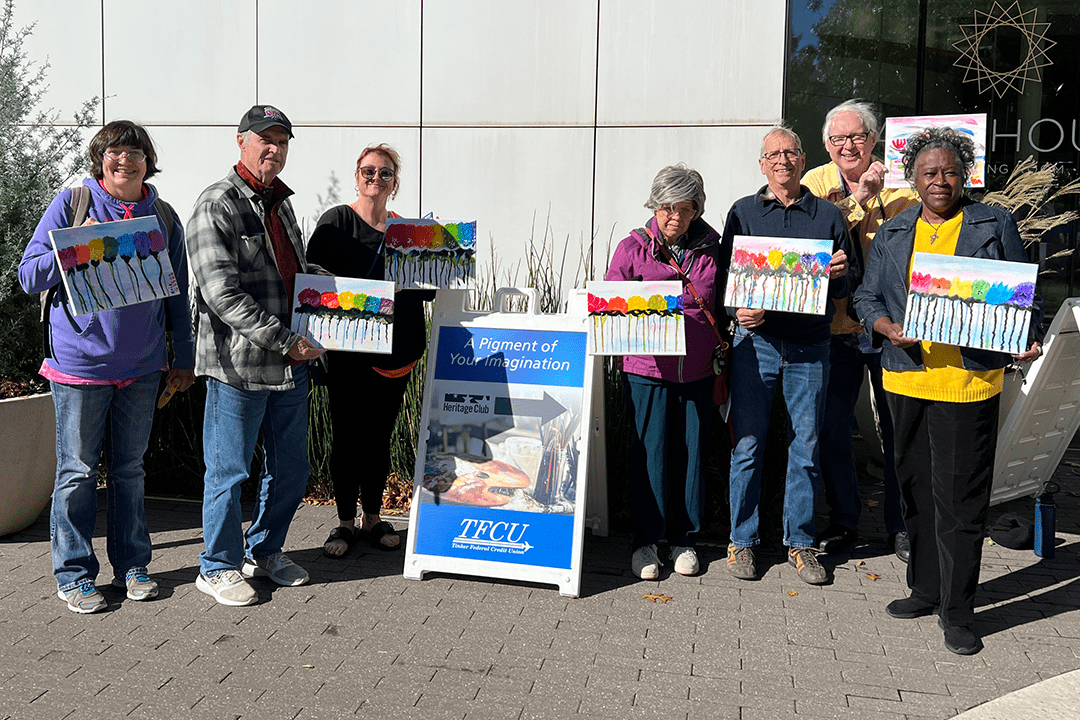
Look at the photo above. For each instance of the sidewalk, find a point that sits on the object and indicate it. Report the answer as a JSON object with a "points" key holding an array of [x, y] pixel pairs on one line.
{"points": [[361, 640]]}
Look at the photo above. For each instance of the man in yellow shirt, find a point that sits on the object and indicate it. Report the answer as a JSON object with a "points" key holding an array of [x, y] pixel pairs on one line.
{"points": [[854, 181]]}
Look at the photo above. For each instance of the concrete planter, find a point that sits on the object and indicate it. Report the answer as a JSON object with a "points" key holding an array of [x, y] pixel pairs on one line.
{"points": [[28, 436]]}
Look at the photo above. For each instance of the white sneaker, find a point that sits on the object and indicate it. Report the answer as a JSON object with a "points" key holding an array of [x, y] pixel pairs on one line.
{"points": [[278, 567], [228, 588], [685, 559], [645, 563]]}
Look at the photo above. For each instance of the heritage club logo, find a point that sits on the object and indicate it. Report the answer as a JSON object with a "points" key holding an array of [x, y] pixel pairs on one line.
{"points": [[273, 113], [980, 35], [496, 537]]}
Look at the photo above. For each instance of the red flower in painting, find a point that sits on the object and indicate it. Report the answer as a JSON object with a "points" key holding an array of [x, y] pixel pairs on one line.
{"points": [[329, 300]]}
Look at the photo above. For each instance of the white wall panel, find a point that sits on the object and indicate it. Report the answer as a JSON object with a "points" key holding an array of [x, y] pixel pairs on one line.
{"points": [[690, 62], [180, 63], [492, 62], [516, 183], [628, 159], [341, 61], [68, 36]]}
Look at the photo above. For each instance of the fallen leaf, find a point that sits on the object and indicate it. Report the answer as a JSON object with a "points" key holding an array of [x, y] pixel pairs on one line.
{"points": [[792, 593], [309, 667], [990, 542], [873, 576], [859, 562], [654, 597]]}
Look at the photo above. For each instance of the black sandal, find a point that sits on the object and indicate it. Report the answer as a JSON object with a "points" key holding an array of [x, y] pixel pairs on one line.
{"points": [[377, 532], [340, 533]]}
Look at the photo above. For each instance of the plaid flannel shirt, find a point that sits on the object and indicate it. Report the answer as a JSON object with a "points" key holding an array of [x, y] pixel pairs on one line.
{"points": [[241, 314]]}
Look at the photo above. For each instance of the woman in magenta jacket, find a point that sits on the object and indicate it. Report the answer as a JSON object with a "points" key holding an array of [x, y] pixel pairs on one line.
{"points": [[669, 399]]}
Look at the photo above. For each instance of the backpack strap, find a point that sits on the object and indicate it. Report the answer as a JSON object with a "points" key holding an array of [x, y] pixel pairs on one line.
{"points": [[78, 209]]}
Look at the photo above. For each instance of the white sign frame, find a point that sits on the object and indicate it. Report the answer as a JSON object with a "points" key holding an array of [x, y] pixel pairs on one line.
{"points": [[450, 312]]}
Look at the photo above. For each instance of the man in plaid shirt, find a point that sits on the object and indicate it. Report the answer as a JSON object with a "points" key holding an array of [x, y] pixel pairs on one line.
{"points": [[245, 249]]}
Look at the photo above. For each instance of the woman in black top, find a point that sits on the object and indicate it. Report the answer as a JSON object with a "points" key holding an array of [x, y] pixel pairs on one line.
{"points": [[348, 242]]}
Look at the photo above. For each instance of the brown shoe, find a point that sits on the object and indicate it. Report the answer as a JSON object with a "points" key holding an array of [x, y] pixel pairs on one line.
{"points": [[806, 564], [740, 562]]}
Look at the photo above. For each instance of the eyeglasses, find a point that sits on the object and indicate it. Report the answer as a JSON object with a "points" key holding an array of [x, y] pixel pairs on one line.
{"points": [[369, 172], [855, 138], [133, 155], [671, 210], [789, 155]]}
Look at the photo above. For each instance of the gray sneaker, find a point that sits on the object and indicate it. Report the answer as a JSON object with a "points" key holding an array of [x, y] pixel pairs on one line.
{"points": [[139, 586], [645, 563], [278, 567], [83, 599], [686, 560], [228, 588]]}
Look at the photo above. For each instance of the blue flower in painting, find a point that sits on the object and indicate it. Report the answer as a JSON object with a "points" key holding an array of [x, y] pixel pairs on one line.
{"points": [[998, 293], [824, 259], [807, 261], [372, 304], [126, 246], [1023, 294], [674, 303]]}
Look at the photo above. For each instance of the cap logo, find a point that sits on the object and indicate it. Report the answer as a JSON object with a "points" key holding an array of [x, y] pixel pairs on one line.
{"points": [[274, 113]]}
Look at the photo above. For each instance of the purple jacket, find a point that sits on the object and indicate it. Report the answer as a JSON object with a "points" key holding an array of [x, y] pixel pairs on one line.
{"points": [[638, 258], [113, 344]]}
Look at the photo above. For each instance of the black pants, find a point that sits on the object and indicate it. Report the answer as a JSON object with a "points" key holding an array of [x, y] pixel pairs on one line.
{"points": [[945, 466], [363, 409]]}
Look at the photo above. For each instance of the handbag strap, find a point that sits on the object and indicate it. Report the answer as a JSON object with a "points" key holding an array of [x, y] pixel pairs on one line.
{"points": [[689, 286]]}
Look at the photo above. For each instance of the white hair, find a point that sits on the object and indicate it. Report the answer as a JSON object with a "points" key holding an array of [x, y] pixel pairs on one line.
{"points": [[863, 110], [676, 183], [781, 129]]}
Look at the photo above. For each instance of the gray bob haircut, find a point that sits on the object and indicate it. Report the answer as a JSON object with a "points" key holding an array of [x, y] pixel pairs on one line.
{"points": [[677, 183], [864, 111], [781, 129], [939, 138]]}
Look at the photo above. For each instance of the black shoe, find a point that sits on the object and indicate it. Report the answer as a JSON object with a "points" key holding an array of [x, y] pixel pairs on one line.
{"points": [[910, 607], [901, 545], [960, 640], [836, 538]]}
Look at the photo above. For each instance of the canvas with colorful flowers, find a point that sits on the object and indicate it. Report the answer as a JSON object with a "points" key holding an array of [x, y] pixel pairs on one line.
{"points": [[340, 313], [784, 274], [426, 254], [636, 318], [971, 302]]}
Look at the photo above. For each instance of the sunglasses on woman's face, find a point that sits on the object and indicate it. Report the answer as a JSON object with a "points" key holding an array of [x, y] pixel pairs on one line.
{"points": [[368, 172]]}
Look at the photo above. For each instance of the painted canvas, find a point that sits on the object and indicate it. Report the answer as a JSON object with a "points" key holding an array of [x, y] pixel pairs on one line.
{"points": [[427, 254], [636, 318], [340, 313], [786, 274], [971, 302], [110, 265], [899, 129]]}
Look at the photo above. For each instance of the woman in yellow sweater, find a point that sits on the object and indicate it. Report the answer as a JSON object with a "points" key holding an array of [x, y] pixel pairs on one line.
{"points": [[943, 398]]}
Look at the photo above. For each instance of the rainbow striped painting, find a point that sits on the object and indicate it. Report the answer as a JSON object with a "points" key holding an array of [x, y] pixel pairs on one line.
{"points": [[971, 302], [784, 274], [636, 318], [426, 254], [899, 129], [340, 313], [113, 264]]}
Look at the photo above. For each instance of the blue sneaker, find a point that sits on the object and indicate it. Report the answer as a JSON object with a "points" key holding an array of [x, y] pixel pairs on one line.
{"points": [[138, 584], [83, 599]]}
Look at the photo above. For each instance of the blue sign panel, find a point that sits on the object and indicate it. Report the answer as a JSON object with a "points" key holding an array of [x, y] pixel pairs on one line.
{"points": [[508, 536], [512, 357]]}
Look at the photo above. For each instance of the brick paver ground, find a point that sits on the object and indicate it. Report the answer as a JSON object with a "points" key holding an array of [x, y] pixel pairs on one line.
{"points": [[362, 641]]}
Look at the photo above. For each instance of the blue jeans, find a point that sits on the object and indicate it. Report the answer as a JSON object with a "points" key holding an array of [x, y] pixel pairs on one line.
{"points": [[758, 364], [838, 473], [231, 427], [671, 423], [89, 419]]}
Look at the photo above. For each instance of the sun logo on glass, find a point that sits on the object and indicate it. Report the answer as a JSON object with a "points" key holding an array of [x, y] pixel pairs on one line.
{"points": [[1003, 49]]}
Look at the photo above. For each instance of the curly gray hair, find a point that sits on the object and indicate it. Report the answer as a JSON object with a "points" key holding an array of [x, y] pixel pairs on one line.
{"points": [[939, 138], [863, 110], [676, 183]]}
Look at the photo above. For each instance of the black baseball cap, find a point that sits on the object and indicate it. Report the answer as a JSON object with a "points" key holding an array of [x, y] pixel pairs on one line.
{"points": [[260, 117]]}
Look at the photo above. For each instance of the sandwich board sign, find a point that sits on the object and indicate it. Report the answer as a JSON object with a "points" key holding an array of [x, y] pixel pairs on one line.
{"points": [[499, 485]]}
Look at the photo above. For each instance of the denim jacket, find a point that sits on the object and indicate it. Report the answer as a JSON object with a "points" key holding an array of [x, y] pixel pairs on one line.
{"points": [[985, 232]]}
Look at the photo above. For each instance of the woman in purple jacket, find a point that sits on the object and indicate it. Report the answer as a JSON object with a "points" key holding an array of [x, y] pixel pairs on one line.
{"points": [[106, 363], [669, 399]]}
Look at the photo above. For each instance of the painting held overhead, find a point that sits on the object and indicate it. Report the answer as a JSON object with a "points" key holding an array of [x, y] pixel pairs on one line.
{"points": [[970, 302], [80, 252], [636, 318], [783, 274], [426, 254], [340, 313], [899, 129]]}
